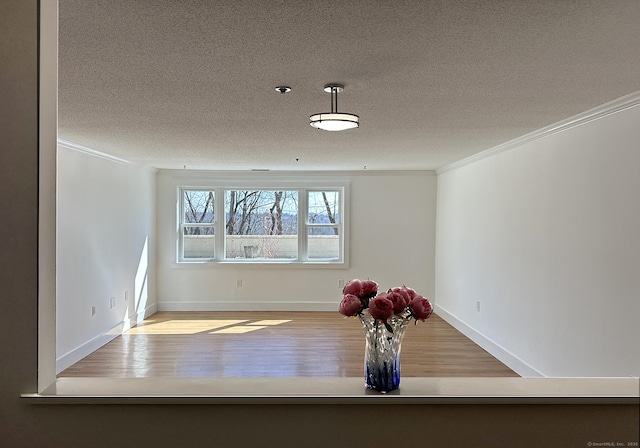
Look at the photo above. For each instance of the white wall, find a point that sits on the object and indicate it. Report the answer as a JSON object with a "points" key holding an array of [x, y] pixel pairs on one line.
{"points": [[392, 240], [106, 224], [546, 236]]}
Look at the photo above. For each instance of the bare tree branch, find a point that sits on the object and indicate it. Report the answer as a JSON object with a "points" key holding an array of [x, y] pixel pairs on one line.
{"points": [[332, 218]]}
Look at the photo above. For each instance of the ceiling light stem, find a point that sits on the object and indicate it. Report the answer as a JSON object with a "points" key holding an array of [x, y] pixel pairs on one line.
{"points": [[334, 99]]}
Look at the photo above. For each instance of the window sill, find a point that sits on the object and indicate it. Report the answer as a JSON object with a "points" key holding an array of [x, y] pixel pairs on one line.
{"points": [[338, 391], [262, 264]]}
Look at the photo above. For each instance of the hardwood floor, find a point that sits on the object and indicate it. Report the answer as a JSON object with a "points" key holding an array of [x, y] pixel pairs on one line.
{"points": [[276, 344]]}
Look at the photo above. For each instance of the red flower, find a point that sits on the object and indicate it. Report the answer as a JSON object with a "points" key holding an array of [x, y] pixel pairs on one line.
{"points": [[420, 308], [409, 293], [399, 301], [350, 305], [381, 307], [353, 287], [369, 289]]}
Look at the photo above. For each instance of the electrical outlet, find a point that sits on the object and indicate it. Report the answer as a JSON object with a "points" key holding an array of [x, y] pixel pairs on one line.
{"points": [[478, 306], [112, 302], [341, 283], [126, 296], [239, 283], [93, 310]]}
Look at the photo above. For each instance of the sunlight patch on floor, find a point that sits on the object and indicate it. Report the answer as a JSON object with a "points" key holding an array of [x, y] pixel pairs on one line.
{"points": [[218, 326], [269, 322], [239, 329], [183, 326], [251, 326]]}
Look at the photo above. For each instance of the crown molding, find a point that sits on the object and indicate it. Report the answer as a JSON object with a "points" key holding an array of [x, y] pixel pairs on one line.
{"points": [[604, 110], [303, 174], [92, 152]]}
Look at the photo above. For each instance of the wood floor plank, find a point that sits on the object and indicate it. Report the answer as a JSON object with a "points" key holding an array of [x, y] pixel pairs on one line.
{"points": [[276, 344]]}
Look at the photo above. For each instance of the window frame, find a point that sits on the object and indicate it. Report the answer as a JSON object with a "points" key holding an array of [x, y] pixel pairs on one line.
{"points": [[308, 225], [182, 225], [219, 225]]}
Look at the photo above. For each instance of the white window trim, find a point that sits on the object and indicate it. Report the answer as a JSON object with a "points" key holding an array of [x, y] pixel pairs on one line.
{"points": [[303, 187], [181, 225]]}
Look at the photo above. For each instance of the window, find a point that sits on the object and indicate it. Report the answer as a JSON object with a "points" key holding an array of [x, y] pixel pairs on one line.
{"points": [[263, 225], [198, 224], [323, 224]]}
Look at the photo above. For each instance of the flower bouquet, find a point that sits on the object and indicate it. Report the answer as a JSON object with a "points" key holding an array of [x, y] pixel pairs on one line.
{"points": [[384, 317]]}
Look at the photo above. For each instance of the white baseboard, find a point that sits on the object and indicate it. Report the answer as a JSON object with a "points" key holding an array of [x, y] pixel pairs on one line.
{"points": [[247, 306], [75, 355], [504, 356]]}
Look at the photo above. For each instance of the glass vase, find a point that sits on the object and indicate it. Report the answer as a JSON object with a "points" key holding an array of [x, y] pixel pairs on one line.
{"points": [[382, 351]]}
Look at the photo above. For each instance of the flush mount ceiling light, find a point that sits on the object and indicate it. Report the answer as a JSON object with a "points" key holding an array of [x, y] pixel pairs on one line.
{"points": [[334, 121]]}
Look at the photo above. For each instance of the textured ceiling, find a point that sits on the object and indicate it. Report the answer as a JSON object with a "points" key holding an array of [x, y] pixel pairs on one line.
{"points": [[171, 83]]}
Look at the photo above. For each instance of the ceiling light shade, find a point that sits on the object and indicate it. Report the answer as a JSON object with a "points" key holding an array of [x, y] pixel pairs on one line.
{"points": [[334, 121]]}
